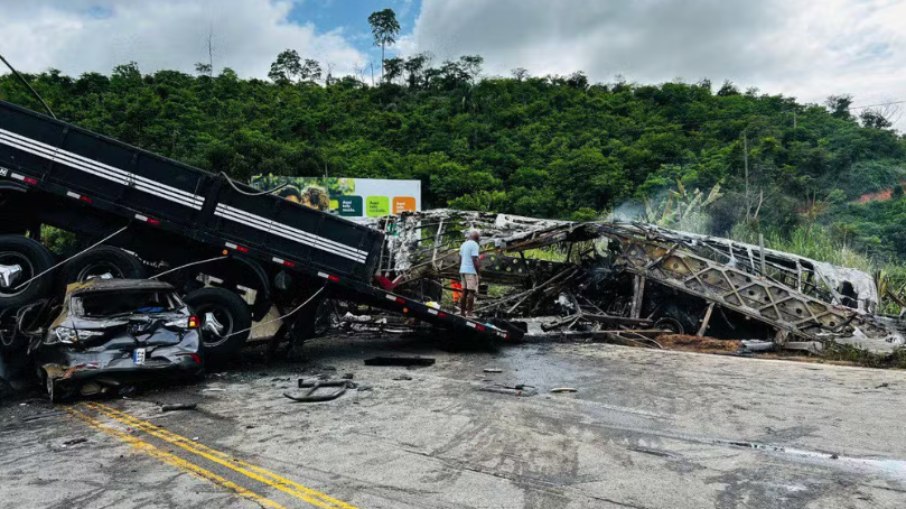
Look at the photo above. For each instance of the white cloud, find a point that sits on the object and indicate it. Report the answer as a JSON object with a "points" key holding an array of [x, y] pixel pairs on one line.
{"points": [[796, 47], [80, 35]]}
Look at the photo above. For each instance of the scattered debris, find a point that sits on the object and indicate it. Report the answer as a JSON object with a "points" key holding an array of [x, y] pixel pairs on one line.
{"points": [[563, 389], [313, 395], [493, 370], [74, 441], [400, 361], [178, 406], [520, 390], [402, 377], [698, 344]]}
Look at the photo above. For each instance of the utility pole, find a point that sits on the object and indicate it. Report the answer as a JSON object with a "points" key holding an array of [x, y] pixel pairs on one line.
{"points": [[211, 50], [745, 159]]}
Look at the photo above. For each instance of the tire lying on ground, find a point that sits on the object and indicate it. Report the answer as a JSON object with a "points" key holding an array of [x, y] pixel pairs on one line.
{"points": [[222, 313], [23, 258], [103, 261]]}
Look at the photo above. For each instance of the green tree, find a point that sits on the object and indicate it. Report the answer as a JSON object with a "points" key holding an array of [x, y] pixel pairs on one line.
{"points": [[287, 66], [393, 67], [384, 28]]}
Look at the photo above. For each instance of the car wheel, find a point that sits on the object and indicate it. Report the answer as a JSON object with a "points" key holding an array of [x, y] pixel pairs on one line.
{"points": [[225, 321], [106, 262], [22, 258]]}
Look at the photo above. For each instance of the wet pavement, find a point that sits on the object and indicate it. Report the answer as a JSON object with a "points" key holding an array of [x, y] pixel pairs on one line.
{"points": [[644, 428]]}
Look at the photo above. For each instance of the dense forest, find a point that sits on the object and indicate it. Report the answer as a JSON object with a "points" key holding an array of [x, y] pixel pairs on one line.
{"points": [[553, 146]]}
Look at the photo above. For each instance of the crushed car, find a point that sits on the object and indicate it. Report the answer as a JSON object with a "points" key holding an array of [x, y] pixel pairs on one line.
{"points": [[113, 333]]}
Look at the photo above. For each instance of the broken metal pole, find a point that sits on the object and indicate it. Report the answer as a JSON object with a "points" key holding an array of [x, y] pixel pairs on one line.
{"points": [[705, 320], [638, 293], [764, 271]]}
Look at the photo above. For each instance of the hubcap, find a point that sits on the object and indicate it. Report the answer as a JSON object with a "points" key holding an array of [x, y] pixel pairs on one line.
{"points": [[212, 325], [217, 326], [15, 268], [10, 275]]}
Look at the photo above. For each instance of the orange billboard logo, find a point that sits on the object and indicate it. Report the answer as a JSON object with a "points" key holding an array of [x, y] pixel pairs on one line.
{"points": [[403, 204]]}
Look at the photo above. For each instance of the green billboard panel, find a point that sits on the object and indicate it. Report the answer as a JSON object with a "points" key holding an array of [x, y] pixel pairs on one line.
{"points": [[350, 206], [377, 206]]}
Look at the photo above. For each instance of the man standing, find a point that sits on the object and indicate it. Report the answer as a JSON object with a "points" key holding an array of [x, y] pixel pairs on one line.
{"points": [[469, 270]]}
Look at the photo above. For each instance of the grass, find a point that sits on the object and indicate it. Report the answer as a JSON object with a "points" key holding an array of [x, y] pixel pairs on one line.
{"points": [[860, 357]]}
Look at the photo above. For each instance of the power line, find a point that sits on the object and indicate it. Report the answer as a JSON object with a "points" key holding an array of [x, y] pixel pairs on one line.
{"points": [[875, 105]]}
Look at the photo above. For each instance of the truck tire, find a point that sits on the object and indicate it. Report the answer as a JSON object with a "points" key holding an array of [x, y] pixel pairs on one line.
{"points": [[31, 258], [677, 319], [222, 313], [103, 261]]}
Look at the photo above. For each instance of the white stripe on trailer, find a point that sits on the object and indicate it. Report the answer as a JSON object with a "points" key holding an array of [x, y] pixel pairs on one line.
{"points": [[118, 176], [102, 170], [279, 261], [472, 325], [231, 245], [324, 275], [433, 311], [17, 176], [141, 217], [86, 163], [266, 227], [77, 196], [262, 224], [289, 232]]}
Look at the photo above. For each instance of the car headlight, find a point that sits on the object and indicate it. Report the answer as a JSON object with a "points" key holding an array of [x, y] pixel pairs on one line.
{"points": [[69, 335]]}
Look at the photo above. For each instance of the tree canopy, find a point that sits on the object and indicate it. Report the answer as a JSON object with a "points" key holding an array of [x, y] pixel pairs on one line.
{"points": [[555, 146]]}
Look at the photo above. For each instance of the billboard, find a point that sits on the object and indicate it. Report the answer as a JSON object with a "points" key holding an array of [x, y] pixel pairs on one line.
{"points": [[352, 198]]}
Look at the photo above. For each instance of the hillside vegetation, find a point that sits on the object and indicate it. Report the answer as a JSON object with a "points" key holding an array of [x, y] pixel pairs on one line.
{"points": [[553, 146]]}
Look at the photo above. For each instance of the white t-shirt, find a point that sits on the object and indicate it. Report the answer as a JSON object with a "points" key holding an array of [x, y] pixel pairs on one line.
{"points": [[468, 249]]}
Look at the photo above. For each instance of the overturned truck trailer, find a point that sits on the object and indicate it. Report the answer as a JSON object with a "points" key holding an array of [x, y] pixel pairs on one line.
{"points": [[629, 275]]}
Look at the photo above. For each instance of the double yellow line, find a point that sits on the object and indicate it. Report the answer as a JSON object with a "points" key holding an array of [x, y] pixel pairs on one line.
{"points": [[254, 472]]}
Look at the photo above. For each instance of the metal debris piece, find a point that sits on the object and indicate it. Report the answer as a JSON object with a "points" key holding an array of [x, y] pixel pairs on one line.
{"points": [[313, 395], [400, 361], [178, 406], [520, 390], [563, 389]]}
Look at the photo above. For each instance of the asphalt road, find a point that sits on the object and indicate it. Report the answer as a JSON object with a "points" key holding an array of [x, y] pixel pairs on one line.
{"points": [[644, 429]]}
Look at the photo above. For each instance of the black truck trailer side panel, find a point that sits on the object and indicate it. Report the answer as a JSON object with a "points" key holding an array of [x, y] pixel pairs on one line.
{"points": [[120, 184], [56, 157]]}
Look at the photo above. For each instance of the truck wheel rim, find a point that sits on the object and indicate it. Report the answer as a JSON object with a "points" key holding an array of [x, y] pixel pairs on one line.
{"points": [[28, 271], [104, 270], [225, 321]]}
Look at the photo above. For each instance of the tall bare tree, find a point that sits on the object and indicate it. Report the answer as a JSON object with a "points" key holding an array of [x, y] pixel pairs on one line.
{"points": [[385, 28]]}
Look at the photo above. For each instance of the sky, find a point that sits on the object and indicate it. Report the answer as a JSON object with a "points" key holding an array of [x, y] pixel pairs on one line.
{"points": [[805, 49]]}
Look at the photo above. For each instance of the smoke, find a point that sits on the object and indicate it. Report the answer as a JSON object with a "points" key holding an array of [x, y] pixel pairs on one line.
{"points": [[630, 210], [678, 209]]}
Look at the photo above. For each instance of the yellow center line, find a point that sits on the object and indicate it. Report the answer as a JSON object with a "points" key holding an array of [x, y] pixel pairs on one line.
{"points": [[272, 479], [173, 460]]}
